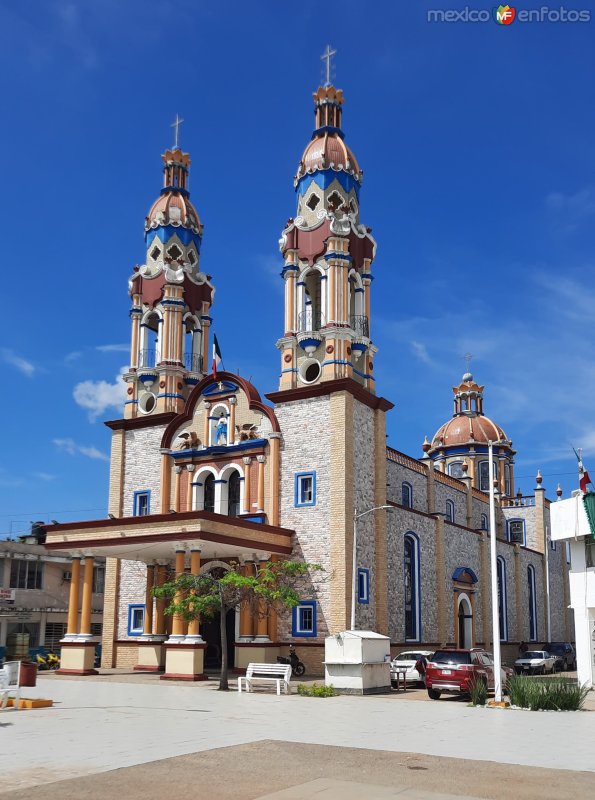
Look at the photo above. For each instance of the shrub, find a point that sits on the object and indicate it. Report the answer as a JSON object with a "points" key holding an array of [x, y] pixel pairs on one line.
{"points": [[478, 690], [556, 694], [316, 690]]}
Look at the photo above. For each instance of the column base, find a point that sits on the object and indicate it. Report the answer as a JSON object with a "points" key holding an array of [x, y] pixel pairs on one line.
{"points": [[151, 656], [184, 662], [77, 657]]}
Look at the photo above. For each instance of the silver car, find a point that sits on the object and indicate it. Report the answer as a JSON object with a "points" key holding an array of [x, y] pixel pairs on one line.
{"points": [[535, 662], [407, 660]]}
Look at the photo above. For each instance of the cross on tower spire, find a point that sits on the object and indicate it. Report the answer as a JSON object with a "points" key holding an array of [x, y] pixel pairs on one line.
{"points": [[176, 125], [467, 358], [327, 56]]}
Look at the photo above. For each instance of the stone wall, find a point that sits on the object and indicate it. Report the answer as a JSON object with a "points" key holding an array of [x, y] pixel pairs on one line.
{"points": [[363, 495], [133, 583], [396, 475], [142, 468]]}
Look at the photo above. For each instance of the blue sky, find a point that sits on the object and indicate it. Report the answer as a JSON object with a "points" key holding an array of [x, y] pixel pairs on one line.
{"points": [[477, 143]]}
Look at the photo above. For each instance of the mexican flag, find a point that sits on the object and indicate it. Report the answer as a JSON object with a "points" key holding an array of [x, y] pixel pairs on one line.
{"points": [[583, 475], [217, 358]]}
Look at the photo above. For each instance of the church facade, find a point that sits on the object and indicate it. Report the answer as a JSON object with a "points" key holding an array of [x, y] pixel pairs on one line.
{"points": [[205, 472]]}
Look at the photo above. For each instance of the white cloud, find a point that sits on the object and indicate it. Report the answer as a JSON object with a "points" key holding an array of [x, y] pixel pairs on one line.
{"points": [[420, 351], [97, 396], [44, 476], [113, 348], [16, 361], [72, 448], [572, 209]]}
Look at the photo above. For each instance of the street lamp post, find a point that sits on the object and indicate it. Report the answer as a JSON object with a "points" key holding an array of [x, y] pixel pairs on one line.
{"points": [[356, 517], [494, 576]]}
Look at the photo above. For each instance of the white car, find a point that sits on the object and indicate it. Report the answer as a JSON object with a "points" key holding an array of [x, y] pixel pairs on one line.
{"points": [[537, 662], [408, 660]]}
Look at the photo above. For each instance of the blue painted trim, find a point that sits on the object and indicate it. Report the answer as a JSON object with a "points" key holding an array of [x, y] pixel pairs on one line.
{"points": [[328, 128], [363, 592], [309, 343], [165, 394], [132, 607], [461, 570], [213, 389], [249, 444], [220, 480], [296, 630], [165, 232], [409, 487], [131, 402], [137, 494], [367, 275], [296, 489], [416, 593], [336, 255], [176, 189], [259, 518], [173, 303], [289, 369], [323, 178], [359, 289]]}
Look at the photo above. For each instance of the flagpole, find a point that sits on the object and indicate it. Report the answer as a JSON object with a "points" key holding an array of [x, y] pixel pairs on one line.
{"points": [[493, 567]]}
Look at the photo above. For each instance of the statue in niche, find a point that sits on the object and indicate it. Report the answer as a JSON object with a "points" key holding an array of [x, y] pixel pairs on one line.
{"points": [[221, 430]]}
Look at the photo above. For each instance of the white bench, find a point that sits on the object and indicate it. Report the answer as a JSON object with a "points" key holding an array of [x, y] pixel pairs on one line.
{"points": [[10, 681], [266, 673]]}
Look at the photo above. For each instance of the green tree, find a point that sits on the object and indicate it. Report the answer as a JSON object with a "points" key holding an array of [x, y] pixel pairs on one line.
{"points": [[272, 586]]}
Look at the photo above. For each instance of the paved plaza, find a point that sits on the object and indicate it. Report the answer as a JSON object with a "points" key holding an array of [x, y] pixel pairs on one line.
{"points": [[127, 735]]}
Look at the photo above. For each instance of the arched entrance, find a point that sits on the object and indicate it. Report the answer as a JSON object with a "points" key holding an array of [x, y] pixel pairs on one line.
{"points": [[465, 622]]}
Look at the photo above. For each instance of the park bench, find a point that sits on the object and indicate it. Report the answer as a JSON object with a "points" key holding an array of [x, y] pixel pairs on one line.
{"points": [[266, 673]]}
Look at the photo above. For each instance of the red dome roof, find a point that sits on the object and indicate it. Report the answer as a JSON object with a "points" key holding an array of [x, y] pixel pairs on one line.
{"points": [[328, 151], [173, 208], [468, 429]]}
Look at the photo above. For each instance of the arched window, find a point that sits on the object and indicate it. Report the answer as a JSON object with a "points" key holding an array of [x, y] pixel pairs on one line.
{"points": [[484, 522], [455, 469], [516, 531], [192, 344], [149, 350], [532, 603], [450, 511], [209, 493], [233, 495], [412, 588], [502, 599], [312, 301], [406, 495], [484, 475]]}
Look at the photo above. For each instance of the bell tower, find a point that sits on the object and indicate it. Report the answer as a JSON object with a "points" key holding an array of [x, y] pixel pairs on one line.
{"points": [[328, 257], [171, 299]]}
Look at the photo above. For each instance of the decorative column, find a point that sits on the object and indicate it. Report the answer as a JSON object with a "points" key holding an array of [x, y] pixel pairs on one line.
{"points": [[207, 424], [246, 621], [189, 498], [246, 504], [272, 620], [87, 597], [135, 316], [231, 431], [72, 627], [177, 629], [150, 645], [161, 602], [262, 634], [148, 623], [274, 472], [194, 625], [165, 481], [177, 488], [261, 461]]}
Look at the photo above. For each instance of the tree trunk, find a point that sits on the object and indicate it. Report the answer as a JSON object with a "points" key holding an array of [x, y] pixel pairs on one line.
{"points": [[223, 682]]}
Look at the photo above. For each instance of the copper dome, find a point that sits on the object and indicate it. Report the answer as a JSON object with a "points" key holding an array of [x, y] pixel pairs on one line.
{"points": [[328, 151], [468, 429], [173, 208]]}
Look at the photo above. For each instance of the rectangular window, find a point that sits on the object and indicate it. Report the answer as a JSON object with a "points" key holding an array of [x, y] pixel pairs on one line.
{"points": [[305, 489], [363, 585], [590, 552], [304, 619], [99, 579], [54, 631], [26, 574], [516, 531], [142, 503], [552, 544], [136, 619]]}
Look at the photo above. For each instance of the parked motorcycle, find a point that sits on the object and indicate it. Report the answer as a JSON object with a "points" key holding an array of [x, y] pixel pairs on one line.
{"points": [[297, 667], [48, 661]]}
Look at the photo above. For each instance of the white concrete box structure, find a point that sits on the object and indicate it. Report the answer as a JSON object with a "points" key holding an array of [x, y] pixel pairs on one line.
{"points": [[570, 523], [358, 662]]}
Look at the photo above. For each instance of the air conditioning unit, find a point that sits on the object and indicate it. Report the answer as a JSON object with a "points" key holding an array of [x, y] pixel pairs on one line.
{"points": [[67, 576]]}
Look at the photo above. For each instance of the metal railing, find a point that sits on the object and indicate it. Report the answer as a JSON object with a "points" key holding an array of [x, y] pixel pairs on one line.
{"points": [[360, 325], [310, 320], [193, 362], [147, 358]]}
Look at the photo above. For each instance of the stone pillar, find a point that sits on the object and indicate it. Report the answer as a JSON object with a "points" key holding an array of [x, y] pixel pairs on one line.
{"points": [[274, 473], [246, 620], [440, 580], [261, 461], [231, 432], [148, 624], [177, 630], [72, 627], [189, 488], [431, 487], [177, 488], [165, 482], [194, 625], [87, 597], [246, 504]]}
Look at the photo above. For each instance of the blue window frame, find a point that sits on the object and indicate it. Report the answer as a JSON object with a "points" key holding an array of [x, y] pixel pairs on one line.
{"points": [[363, 586], [502, 599], [142, 503], [407, 495], [532, 604], [412, 588], [455, 469], [516, 531], [136, 619], [484, 522], [305, 489], [450, 511], [303, 621]]}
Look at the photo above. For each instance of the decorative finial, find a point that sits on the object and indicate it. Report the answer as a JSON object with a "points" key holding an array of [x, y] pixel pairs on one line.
{"points": [[465, 468], [426, 445], [176, 125], [519, 494], [327, 56], [559, 492], [467, 376], [538, 478]]}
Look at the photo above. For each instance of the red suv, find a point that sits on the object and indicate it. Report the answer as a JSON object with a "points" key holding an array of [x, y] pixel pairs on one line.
{"points": [[454, 671]]}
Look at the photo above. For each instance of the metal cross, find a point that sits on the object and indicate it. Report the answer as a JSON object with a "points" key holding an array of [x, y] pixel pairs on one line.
{"points": [[326, 56], [176, 125], [468, 358]]}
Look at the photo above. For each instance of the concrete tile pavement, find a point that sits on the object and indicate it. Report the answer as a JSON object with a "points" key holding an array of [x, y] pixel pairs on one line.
{"points": [[99, 725]]}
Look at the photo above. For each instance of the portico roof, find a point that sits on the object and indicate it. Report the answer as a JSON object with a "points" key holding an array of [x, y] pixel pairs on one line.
{"points": [[157, 536]]}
